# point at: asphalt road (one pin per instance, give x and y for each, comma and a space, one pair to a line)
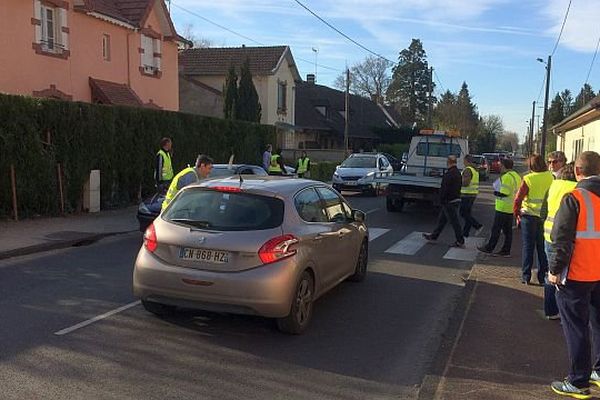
374, 339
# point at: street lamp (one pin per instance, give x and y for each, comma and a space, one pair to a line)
545, 123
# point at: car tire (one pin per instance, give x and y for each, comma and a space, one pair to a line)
302, 306
360, 270
157, 308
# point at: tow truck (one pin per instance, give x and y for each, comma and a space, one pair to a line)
421, 178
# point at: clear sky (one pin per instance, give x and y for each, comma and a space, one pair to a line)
490, 44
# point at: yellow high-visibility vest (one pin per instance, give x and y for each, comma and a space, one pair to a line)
167, 166
557, 191
173, 189
274, 166
303, 165
509, 186
473, 188
538, 184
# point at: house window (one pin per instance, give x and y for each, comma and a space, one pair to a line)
577, 148
51, 34
322, 110
282, 97
106, 47
150, 55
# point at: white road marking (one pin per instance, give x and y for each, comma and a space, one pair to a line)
469, 253
374, 233
372, 211
96, 318
410, 245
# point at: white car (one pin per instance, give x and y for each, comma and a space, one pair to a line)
357, 172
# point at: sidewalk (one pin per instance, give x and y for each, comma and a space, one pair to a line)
499, 345
42, 234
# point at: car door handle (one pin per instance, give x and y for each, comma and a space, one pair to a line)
318, 238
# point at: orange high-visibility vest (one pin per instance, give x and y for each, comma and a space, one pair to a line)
584, 261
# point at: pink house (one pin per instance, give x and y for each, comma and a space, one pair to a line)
121, 52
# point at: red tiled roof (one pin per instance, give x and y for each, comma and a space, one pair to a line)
117, 94
133, 12
216, 61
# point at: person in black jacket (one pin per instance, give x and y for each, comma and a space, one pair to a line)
450, 202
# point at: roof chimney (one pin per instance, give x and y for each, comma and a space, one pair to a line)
310, 78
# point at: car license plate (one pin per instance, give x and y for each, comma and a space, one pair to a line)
413, 195
205, 255
351, 183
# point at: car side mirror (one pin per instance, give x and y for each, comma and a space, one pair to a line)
359, 216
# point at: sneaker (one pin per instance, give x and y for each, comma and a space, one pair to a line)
502, 254
566, 388
555, 317
595, 378
429, 237
458, 245
479, 230
484, 249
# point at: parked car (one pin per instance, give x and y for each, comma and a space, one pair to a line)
493, 160
149, 209
482, 167
357, 172
268, 247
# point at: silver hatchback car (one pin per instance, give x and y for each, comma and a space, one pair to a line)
266, 246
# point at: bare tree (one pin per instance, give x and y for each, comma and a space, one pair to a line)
508, 141
369, 78
199, 42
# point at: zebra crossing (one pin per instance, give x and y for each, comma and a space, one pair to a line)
412, 244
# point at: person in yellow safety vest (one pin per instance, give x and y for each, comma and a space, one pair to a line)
505, 189
564, 184
276, 167
468, 194
188, 176
527, 208
163, 171
303, 168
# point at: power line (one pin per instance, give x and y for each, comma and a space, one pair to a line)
541, 89
244, 36
562, 27
342, 33
587, 78
437, 78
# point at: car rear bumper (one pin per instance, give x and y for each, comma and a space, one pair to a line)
266, 290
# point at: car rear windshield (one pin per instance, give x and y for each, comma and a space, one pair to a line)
478, 160
438, 149
360, 162
225, 211
492, 157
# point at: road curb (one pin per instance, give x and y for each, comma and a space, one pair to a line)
431, 381
59, 244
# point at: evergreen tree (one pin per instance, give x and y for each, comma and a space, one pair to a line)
230, 93
444, 115
248, 107
567, 102
408, 91
490, 129
466, 113
556, 112
586, 94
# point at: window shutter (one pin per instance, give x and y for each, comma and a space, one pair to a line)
148, 47
62, 37
37, 13
157, 49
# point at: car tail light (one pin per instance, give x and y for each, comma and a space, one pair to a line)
226, 188
277, 249
150, 241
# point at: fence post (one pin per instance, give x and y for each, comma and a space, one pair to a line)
13, 182
60, 188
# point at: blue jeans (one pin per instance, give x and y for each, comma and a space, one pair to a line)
532, 229
550, 307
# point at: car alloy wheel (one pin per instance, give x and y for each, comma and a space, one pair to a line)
360, 271
301, 310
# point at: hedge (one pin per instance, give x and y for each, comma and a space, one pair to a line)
322, 171
120, 141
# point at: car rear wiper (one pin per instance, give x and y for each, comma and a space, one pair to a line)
193, 222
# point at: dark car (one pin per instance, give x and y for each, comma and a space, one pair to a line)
493, 160
482, 166
149, 209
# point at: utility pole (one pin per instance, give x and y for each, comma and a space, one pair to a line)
531, 127
545, 121
347, 111
429, 99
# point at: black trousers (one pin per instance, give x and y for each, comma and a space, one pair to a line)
449, 213
503, 222
466, 208
579, 308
